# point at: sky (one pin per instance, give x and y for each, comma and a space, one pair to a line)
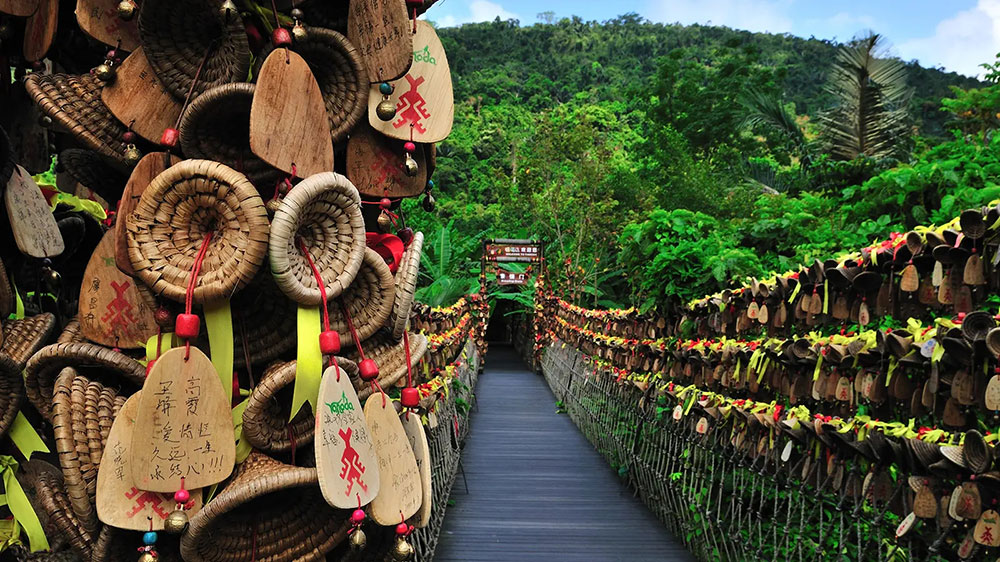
958, 35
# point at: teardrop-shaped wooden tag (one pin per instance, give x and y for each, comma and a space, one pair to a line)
841, 309
883, 300
970, 503
399, 490
816, 304
962, 388
992, 397
421, 452
864, 317
753, 310
345, 456
944, 295
111, 310
987, 531
375, 165
381, 30
781, 315
40, 30
963, 299
952, 415
184, 427
150, 166
19, 8
119, 502
937, 275
925, 505
137, 97
867, 382
905, 525
288, 121
702, 426
927, 396
926, 295
965, 547
909, 281
843, 391
99, 19
678, 413
35, 230
974, 273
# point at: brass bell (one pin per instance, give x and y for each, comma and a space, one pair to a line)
428, 203
176, 522
386, 110
147, 557
384, 222
299, 32
227, 9
358, 540
126, 10
105, 72
410, 166
132, 155
402, 551
52, 279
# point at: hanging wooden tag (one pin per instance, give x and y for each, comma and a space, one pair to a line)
909, 281
424, 100
119, 502
970, 503
987, 531
967, 545
34, 227
702, 426
864, 316
992, 398
763, 315
905, 525
99, 19
345, 455
927, 396
753, 310
111, 310
937, 275
840, 310
375, 165
963, 299
952, 415
678, 412
148, 168
288, 121
421, 451
925, 505
962, 388
974, 273
184, 427
40, 30
843, 390
816, 304
781, 315
944, 294
786, 452
926, 295
19, 8
382, 31
399, 490
138, 99
944, 519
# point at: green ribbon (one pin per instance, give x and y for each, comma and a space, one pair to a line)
826, 297
795, 292
242, 446
219, 321
309, 360
20, 507
819, 363
25, 437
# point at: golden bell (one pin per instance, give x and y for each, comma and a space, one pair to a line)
410, 166
176, 522
384, 222
386, 110
147, 557
132, 155
126, 9
402, 551
358, 540
299, 32
227, 9
104, 72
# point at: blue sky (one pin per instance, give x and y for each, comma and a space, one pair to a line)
955, 34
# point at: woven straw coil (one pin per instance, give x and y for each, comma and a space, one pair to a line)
52, 503
272, 508
177, 34
368, 300
390, 356
94, 172
71, 332
8, 301
406, 285
265, 420
324, 210
11, 397
22, 338
177, 210
74, 103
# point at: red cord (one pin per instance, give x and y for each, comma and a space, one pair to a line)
192, 282
409, 370
354, 333
319, 281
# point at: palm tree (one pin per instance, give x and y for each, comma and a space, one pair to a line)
870, 117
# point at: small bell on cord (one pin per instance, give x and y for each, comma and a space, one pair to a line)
299, 32
384, 222
386, 110
403, 549
177, 521
227, 9
428, 202
126, 10
358, 538
132, 155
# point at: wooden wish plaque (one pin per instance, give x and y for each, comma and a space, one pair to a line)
288, 121
382, 32
151, 165
99, 19
399, 490
35, 230
119, 503
424, 100
414, 429
111, 310
40, 30
375, 165
345, 454
19, 8
184, 428
138, 99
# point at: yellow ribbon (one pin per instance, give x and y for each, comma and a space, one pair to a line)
219, 321
242, 446
309, 360
78, 204
20, 507
25, 437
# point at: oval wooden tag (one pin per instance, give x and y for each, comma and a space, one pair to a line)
944, 295
954, 501
973, 273
937, 275
111, 310
149, 167
421, 452
678, 413
909, 280
925, 505
119, 503
425, 103
992, 398
382, 32
35, 230
843, 391
987, 531
40, 30
399, 491
138, 99
966, 546
864, 316
763, 315
184, 427
288, 121
702, 426
962, 388
345, 454
753, 309
944, 520
963, 299
99, 19
952, 414
375, 165
905, 525
970, 505
19, 8
786, 452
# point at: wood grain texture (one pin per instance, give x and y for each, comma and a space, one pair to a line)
425, 102
288, 121
31, 220
99, 19
138, 99
111, 310
414, 429
40, 30
375, 165
399, 489
19, 8
150, 166
381, 30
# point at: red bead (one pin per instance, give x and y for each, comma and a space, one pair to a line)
368, 369
358, 516
128, 137
182, 496
385, 203
281, 37
170, 137
402, 529
187, 326
410, 398
149, 366
112, 54
329, 342
410, 147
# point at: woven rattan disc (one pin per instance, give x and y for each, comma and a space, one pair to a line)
368, 300
8, 302
341, 75
216, 126
390, 356
71, 333
406, 285
74, 104
272, 509
110, 366
94, 172
325, 212
43, 484
178, 209
265, 420
22, 338
177, 35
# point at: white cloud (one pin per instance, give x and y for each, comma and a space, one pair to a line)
479, 10
960, 43
753, 15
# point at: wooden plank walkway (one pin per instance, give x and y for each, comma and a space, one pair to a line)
537, 489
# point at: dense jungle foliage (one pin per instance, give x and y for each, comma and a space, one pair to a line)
664, 162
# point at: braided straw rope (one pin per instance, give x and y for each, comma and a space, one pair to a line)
177, 34
182, 205
270, 510
390, 356
325, 211
265, 422
368, 300
406, 285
